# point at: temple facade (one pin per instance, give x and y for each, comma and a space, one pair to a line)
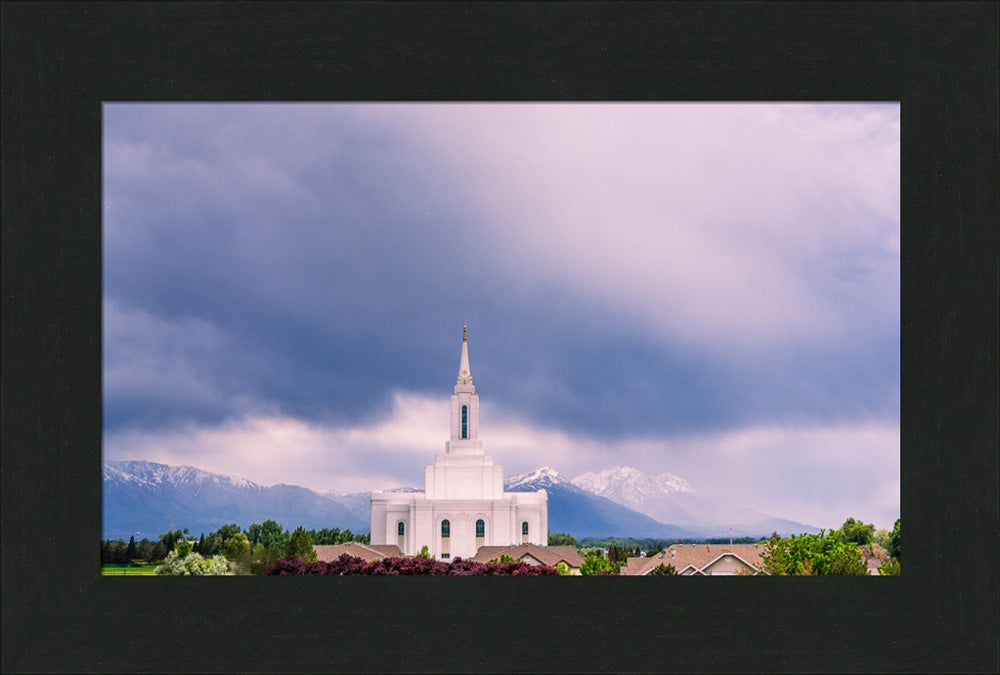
463, 506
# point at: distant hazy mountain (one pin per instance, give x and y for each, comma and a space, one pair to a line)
585, 514
669, 498
148, 498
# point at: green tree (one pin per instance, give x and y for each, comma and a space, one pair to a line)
424, 552
253, 533
227, 531
114, 552
169, 540
183, 548
593, 564
562, 539
237, 547
823, 553
144, 551
159, 551
131, 553
894, 541
890, 568
563, 569
845, 564
273, 535
213, 544
504, 557
857, 532
662, 570
325, 536
300, 545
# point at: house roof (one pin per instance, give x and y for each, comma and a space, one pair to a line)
874, 555
328, 552
547, 555
695, 556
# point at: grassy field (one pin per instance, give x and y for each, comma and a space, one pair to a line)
122, 570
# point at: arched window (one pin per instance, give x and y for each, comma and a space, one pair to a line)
480, 528
445, 529
465, 421
400, 528
524, 528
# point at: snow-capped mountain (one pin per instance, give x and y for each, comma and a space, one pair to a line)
632, 485
585, 514
537, 479
151, 498
672, 499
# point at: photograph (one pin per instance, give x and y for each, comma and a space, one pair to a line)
608, 339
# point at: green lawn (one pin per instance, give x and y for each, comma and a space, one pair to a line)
122, 570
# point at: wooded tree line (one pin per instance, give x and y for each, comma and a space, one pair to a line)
837, 552
256, 548
266, 542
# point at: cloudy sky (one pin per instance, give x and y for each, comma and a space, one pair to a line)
706, 290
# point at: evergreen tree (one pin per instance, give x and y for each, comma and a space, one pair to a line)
894, 541
144, 550
300, 545
130, 552
159, 551
662, 570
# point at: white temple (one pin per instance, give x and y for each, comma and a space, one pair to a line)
463, 506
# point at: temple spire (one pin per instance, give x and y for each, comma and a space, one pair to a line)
464, 373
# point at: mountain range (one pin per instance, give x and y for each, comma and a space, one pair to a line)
146, 499
585, 514
669, 498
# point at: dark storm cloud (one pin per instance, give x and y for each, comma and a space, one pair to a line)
338, 262
626, 272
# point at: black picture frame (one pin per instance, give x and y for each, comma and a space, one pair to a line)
61, 60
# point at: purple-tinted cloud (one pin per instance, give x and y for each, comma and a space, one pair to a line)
628, 271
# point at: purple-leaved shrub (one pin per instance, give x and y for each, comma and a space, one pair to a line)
347, 565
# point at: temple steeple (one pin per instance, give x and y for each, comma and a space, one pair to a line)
464, 407
464, 382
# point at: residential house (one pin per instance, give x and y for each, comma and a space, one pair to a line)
874, 556
533, 554
702, 559
368, 552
